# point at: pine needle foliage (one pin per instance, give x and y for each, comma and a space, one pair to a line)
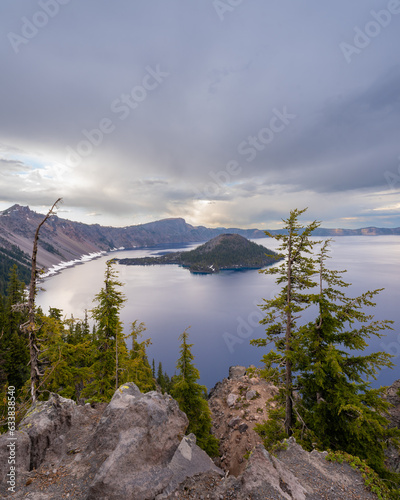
338, 405
108, 340
295, 275
191, 398
332, 402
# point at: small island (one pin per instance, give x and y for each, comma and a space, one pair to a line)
224, 252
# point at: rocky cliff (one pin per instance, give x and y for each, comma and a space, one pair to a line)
135, 448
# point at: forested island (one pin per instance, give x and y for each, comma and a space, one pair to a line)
224, 252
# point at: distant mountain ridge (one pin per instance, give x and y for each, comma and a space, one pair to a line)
65, 240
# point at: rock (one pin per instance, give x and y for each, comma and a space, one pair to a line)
243, 428
231, 399
136, 439
392, 453
251, 395
237, 371
15, 451
393, 397
46, 423
228, 412
135, 449
321, 478
234, 421
188, 461
266, 477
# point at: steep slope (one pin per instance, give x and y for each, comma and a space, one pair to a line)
64, 240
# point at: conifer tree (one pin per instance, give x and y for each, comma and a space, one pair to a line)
338, 406
295, 274
134, 364
160, 378
108, 340
191, 398
335, 406
65, 360
14, 342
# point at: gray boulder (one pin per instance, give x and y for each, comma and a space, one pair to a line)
266, 477
139, 450
319, 477
237, 371
188, 461
46, 424
15, 452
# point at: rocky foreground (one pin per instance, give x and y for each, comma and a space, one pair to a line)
135, 448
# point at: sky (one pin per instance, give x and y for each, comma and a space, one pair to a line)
224, 112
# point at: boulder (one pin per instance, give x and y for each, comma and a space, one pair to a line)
231, 399
266, 477
15, 452
46, 424
188, 461
237, 371
251, 395
135, 447
319, 477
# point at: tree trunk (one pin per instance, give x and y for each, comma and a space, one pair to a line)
288, 374
30, 327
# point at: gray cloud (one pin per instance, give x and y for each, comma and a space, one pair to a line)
167, 152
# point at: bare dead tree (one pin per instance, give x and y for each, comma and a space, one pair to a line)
30, 326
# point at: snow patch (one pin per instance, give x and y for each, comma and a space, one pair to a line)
64, 265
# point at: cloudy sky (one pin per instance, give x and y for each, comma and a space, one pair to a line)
224, 112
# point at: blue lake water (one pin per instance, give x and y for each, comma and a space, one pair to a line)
222, 309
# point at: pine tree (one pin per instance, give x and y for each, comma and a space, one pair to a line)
161, 378
65, 360
334, 406
134, 365
14, 342
338, 406
109, 339
191, 398
295, 274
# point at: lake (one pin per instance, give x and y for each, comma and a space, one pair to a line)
222, 309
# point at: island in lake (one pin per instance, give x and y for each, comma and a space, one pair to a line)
224, 252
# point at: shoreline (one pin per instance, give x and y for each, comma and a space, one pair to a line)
57, 268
